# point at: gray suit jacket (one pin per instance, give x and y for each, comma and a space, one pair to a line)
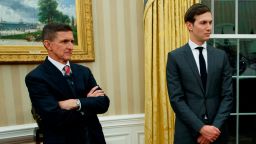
188, 98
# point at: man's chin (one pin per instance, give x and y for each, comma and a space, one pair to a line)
207, 38
67, 58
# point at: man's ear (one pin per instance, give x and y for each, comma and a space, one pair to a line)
47, 44
189, 26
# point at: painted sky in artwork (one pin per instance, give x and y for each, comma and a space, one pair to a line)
26, 10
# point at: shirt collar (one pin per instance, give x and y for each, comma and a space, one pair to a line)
194, 45
57, 64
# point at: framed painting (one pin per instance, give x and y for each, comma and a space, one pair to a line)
21, 23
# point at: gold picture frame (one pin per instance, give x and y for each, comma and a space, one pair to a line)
83, 51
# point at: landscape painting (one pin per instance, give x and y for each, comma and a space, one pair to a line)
21, 23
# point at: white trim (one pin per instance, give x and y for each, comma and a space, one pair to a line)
21, 133
243, 77
243, 114
236, 17
235, 36
121, 120
17, 131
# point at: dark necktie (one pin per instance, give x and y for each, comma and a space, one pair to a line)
202, 67
204, 79
69, 78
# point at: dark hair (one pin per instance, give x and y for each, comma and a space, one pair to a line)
50, 30
194, 10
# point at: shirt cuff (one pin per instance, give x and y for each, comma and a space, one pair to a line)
78, 103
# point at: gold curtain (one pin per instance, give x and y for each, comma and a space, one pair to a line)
164, 30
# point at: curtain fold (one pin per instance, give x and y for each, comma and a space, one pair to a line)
164, 30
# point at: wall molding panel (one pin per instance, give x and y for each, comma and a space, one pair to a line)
125, 129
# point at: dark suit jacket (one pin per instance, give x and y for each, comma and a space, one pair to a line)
188, 98
47, 86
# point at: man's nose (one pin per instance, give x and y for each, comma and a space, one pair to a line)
209, 26
70, 45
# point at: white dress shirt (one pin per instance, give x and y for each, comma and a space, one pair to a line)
195, 52
59, 65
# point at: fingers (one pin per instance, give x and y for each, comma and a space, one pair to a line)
211, 133
216, 133
95, 92
199, 139
202, 140
205, 141
93, 89
216, 129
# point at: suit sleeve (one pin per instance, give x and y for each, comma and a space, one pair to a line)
45, 104
226, 95
176, 95
93, 105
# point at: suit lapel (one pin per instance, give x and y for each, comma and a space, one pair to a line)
58, 80
211, 66
76, 76
192, 63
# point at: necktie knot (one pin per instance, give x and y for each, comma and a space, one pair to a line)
200, 49
67, 70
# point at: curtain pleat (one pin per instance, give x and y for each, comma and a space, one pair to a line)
164, 31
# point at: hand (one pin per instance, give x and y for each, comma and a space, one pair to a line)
202, 140
209, 132
95, 92
68, 104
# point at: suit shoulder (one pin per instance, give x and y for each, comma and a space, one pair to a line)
217, 50
81, 68
36, 71
179, 50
